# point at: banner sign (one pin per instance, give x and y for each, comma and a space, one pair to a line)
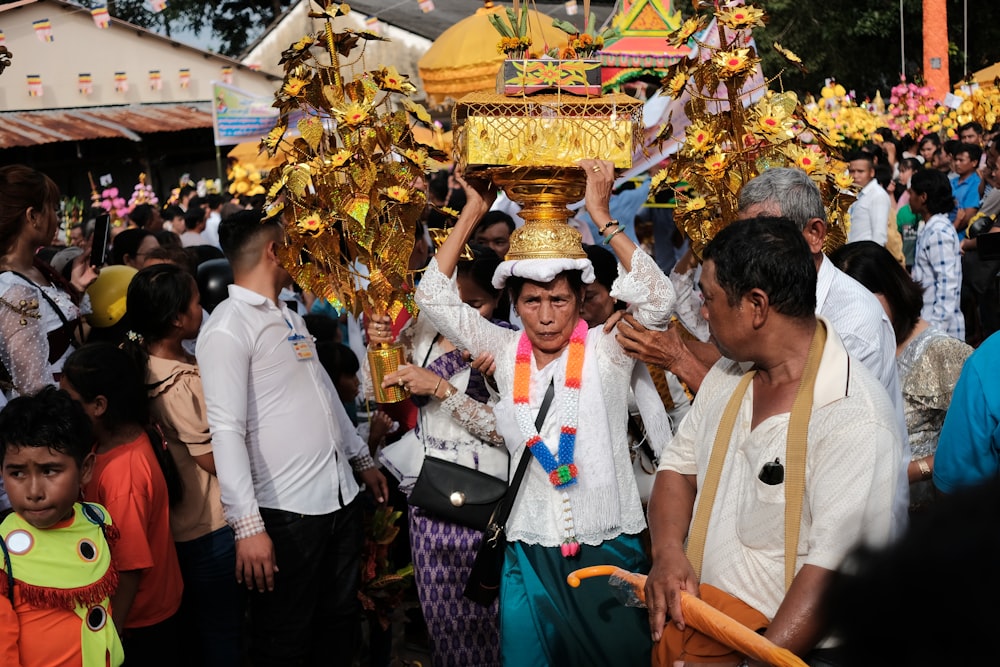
238, 116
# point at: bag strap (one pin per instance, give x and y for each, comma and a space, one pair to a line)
45, 296
795, 459
502, 512
10, 570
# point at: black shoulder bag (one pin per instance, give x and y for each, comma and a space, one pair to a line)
483, 585
454, 492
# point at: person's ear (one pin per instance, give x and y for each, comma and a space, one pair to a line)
815, 234
87, 468
759, 304
99, 406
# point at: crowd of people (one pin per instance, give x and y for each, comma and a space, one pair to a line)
192, 451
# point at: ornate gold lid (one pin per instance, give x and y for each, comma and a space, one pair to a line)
545, 240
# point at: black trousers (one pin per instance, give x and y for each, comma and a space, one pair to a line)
313, 616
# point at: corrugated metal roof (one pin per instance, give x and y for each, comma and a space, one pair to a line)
28, 128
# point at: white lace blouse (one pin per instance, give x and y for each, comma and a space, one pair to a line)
605, 501
26, 318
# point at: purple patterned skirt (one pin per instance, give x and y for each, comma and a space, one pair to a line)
462, 633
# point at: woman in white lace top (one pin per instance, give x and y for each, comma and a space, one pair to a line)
39, 311
578, 504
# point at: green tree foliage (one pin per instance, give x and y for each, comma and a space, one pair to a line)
234, 23
857, 42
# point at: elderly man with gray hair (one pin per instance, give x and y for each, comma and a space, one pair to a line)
855, 313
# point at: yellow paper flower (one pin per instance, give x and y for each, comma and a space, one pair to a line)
294, 86
310, 223
676, 85
732, 62
687, 30
716, 163
354, 114
304, 43
398, 193
741, 17
696, 204
698, 139
388, 78
805, 159
340, 158
843, 181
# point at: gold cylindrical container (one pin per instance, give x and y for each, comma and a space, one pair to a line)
383, 359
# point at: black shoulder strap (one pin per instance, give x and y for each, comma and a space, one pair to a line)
503, 510
45, 296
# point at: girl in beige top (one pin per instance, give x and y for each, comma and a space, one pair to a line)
163, 309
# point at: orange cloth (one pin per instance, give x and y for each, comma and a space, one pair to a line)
694, 646
128, 481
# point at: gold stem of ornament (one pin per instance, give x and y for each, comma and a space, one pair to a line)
338, 82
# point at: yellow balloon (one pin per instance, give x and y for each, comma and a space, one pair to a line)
107, 295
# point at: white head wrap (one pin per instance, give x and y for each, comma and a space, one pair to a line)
541, 270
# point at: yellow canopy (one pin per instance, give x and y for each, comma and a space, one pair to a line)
985, 76
464, 58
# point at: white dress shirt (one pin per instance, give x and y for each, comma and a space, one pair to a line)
280, 434
870, 215
865, 330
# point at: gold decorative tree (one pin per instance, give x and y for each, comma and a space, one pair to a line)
728, 143
346, 189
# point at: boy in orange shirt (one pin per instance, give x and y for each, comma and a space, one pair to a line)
56, 574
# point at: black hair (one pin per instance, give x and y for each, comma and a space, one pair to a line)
105, 369
239, 229
883, 174
935, 185
493, 217
337, 359
437, 184
876, 151
322, 327
172, 211
951, 146
214, 201
194, 216
156, 296
574, 277
931, 137
481, 268
49, 418
127, 242
605, 264
971, 125
185, 191
141, 214
769, 254
874, 267
870, 158
911, 163
975, 151
167, 239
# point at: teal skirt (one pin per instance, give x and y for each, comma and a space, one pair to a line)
545, 622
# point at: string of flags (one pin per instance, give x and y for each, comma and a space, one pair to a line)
102, 19
43, 30
35, 85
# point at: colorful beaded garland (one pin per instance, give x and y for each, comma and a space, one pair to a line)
562, 471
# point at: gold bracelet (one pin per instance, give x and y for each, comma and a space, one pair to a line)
925, 470
608, 225
449, 391
437, 386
